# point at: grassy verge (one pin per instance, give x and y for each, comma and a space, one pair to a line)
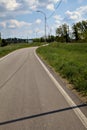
7, 49
70, 60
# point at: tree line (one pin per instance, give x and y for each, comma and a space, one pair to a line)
78, 32
5, 42
65, 33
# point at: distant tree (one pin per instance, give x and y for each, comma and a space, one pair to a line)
42, 39
65, 29
36, 39
59, 31
80, 31
82, 26
3, 43
0, 42
51, 38
0, 39
75, 32
62, 33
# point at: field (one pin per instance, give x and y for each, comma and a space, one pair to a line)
7, 49
70, 60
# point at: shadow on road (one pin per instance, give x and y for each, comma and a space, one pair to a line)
42, 114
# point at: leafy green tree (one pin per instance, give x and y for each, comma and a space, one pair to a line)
62, 33
65, 28
59, 31
4, 43
84, 30
80, 31
75, 32
0, 40
50, 38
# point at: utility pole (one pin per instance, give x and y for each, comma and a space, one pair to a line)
0, 35
45, 20
45, 28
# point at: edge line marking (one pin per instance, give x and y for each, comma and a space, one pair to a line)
77, 111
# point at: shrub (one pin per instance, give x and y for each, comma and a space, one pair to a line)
3, 43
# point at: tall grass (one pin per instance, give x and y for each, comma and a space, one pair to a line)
70, 60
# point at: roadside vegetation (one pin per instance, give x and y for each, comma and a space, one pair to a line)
70, 60
67, 52
9, 48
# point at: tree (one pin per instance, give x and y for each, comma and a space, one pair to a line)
50, 38
75, 32
66, 32
59, 31
0, 39
4, 43
84, 30
80, 31
62, 33
0, 42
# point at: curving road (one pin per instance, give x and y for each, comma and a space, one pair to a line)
30, 99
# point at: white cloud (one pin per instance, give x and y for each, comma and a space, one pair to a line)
12, 8
9, 9
38, 21
32, 4
2, 24
9, 4
14, 24
82, 10
58, 19
50, 7
37, 30
74, 15
78, 14
54, 1
15, 28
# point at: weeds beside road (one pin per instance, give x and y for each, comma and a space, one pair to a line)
70, 60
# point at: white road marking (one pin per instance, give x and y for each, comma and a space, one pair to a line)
77, 111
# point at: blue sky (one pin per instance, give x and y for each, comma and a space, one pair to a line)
18, 18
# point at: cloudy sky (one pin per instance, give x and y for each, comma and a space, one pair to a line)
18, 18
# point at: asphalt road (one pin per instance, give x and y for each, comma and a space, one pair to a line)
30, 99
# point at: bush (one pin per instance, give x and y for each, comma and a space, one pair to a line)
3, 43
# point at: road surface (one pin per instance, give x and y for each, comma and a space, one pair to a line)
30, 99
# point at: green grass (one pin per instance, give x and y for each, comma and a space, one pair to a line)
70, 60
7, 49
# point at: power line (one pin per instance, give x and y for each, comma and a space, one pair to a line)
58, 4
